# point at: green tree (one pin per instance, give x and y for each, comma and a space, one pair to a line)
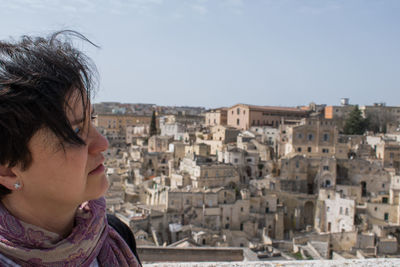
355, 123
153, 126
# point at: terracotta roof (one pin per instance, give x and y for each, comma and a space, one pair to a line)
272, 108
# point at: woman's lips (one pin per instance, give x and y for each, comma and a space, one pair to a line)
99, 169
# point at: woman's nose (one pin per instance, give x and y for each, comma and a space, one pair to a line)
98, 142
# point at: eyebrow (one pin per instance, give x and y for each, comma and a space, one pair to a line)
78, 121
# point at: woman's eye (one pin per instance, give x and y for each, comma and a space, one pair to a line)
77, 130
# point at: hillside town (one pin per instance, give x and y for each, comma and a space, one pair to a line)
308, 182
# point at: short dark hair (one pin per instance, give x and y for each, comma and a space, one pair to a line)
37, 77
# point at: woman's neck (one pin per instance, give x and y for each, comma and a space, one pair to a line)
51, 217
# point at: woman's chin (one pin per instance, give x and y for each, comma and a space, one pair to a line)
98, 189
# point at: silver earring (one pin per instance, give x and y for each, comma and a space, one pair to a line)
17, 185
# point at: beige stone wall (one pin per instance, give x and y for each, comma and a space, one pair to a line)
232, 215
389, 153
215, 145
179, 151
343, 241
120, 122
244, 116
338, 112
202, 150
159, 143
378, 211
238, 116
224, 134
216, 117
315, 138
214, 176
226, 196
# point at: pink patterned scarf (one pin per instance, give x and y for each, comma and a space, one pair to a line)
92, 238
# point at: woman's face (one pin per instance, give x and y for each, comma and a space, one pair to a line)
67, 176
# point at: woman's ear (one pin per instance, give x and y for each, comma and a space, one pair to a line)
8, 178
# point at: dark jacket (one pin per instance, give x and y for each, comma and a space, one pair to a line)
125, 232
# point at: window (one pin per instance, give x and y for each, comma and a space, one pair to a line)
299, 149
386, 216
309, 149
376, 208
385, 200
347, 211
310, 137
325, 168
241, 209
237, 121
326, 137
327, 208
238, 111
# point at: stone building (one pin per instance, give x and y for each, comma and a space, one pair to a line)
155, 163
369, 175
133, 132
294, 175
224, 134
204, 173
117, 123
385, 118
389, 152
334, 213
313, 138
200, 149
159, 143
170, 127
216, 117
269, 134
243, 116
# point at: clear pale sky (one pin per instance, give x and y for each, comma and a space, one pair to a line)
222, 52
